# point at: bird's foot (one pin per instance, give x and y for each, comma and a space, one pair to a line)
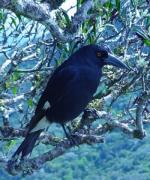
88, 113
73, 139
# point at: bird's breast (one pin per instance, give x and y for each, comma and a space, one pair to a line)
77, 95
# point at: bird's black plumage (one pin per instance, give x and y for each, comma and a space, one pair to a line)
69, 90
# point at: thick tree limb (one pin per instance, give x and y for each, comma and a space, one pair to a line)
34, 11
41, 12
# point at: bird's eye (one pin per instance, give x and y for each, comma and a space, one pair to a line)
99, 54
102, 54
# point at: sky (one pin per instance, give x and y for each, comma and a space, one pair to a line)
67, 4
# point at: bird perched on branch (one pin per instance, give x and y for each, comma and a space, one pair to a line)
69, 90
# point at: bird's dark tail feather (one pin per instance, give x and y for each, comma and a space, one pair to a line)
27, 145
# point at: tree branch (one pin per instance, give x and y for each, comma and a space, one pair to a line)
41, 12
83, 136
139, 132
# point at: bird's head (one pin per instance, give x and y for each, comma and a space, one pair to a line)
103, 56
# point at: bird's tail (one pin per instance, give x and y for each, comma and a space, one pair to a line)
27, 145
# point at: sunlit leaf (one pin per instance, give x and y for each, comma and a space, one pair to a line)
7, 84
30, 102
108, 5
147, 42
16, 76
9, 144
14, 90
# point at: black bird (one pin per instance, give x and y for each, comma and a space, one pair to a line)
69, 90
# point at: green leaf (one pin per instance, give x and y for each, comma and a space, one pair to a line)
9, 144
7, 84
67, 19
16, 76
1, 15
30, 102
147, 42
108, 5
13, 21
18, 16
118, 5
14, 90
79, 3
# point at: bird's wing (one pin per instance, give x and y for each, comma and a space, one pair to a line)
52, 94
54, 91
36, 119
56, 86
73, 92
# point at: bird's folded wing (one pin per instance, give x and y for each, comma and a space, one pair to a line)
57, 86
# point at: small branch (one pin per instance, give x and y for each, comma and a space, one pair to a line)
34, 70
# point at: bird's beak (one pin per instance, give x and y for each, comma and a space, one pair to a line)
112, 60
